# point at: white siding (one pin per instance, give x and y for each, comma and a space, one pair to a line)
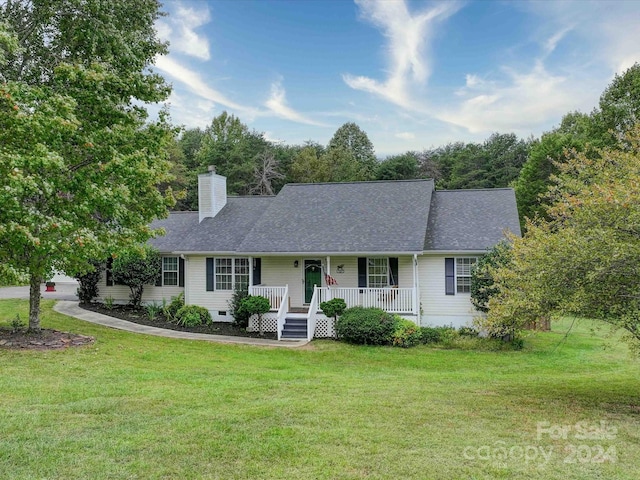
279, 271
151, 293
276, 271
196, 290
405, 272
437, 307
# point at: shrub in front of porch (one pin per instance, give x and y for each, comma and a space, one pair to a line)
366, 326
406, 334
192, 315
240, 314
256, 305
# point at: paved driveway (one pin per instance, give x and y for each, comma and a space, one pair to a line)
64, 291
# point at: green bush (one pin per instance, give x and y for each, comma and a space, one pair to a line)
88, 283
135, 268
437, 334
240, 314
171, 309
334, 307
406, 334
256, 305
449, 337
366, 326
152, 309
193, 315
468, 332
482, 284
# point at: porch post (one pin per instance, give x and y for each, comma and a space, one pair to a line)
329, 293
250, 274
416, 288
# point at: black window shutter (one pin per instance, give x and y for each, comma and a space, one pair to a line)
108, 273
362, 272
181, 272
393, 266
159, 277
209, 274
257, 271
449, 276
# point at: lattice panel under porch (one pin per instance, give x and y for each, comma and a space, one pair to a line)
324, 327
269, 322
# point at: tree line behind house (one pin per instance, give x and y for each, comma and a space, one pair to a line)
254, 165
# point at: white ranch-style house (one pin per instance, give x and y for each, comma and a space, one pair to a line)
398, 245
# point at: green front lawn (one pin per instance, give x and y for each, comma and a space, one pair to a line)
132, 406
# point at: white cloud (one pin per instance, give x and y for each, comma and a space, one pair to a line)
189, 112
520, 103
405, 135
472, 80
193, 81
607, 30
407, 35
598, 39
552, 42
277, 104
180, 30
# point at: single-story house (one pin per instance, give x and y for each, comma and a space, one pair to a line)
399, 245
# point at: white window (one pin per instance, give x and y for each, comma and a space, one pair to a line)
241, 273
463, 274
224, 274
378, 272
169, 271
231, 273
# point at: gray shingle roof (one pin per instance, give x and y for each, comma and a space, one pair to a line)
225, 231
344, 217
471, 219
177, 225
362, 217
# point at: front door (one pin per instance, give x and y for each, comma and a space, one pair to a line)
312, 277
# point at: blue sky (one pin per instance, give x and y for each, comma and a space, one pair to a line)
412, 74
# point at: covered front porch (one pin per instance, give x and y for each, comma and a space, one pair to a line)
309, 321
296, 286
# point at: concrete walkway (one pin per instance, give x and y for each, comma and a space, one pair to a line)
72, 309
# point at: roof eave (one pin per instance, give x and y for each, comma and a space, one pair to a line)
290, 254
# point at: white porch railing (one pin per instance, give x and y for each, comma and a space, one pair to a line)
313, 313
282, 311
274, 294
394, 300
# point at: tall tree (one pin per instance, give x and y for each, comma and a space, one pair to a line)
585, 259
351, 138
232, 148
619, 110
309, 166
264, 174
398, 167
620, 104
79, 165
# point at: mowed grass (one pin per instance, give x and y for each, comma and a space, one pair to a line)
140, 407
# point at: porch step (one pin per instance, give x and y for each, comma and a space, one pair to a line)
294, 328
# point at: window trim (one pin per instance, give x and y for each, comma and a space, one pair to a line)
176, 271
369, 274
236, 263
457, 276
